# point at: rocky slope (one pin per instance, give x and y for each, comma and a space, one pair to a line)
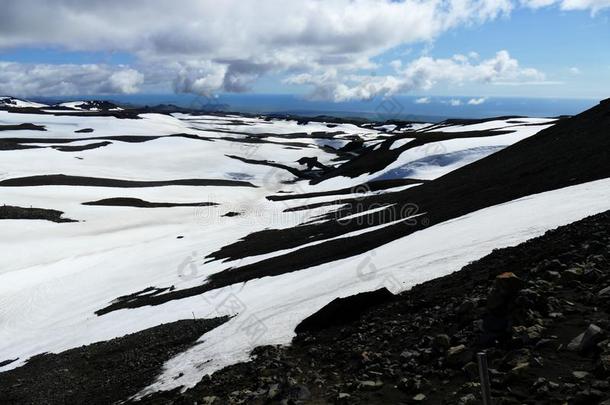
527, 307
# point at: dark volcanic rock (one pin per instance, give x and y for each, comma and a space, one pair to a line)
136, 202
12, 212
65, 180
101, 373
22, 127
587, 340
343, 310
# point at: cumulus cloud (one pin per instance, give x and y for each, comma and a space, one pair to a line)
228, 45
455, 102
67, 79
204, 46
477, 101
422, 73
593, 5
199, 78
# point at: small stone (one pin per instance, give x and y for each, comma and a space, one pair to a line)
553, 265
553, 385
540, 382
370, 385
441, 342
466, 307
471, 369
572, 274
586, 340
514, 358
409, 354
534, 332
520, 369
504, 290
274, 391
209, 400
468, 400
458, 355
419, 397
343, 398
580, 374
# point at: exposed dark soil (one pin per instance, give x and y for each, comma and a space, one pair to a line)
136, 202
12, 212
101, 373
119, 138
79, 148
8, 145
361, 188
522, 306
22, 127
65, 180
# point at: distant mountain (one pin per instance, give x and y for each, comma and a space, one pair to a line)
91, 105
8, 101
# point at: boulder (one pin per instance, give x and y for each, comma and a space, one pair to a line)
586, 340
441, 342
458, 355
504, 291
572, 274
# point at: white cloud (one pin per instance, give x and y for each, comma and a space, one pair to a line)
423, 100
593, 5
241, 40
66, 79
455, 102
477, 101
204, 46
422, 73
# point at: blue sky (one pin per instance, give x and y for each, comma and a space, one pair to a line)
337, 50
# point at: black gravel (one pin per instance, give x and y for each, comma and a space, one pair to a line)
101, 373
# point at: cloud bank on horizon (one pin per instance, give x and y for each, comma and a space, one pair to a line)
326, 48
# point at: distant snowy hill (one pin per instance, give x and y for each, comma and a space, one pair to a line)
263, 219
6, 101
90, 105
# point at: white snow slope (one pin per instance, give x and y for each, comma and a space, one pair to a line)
54, 276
